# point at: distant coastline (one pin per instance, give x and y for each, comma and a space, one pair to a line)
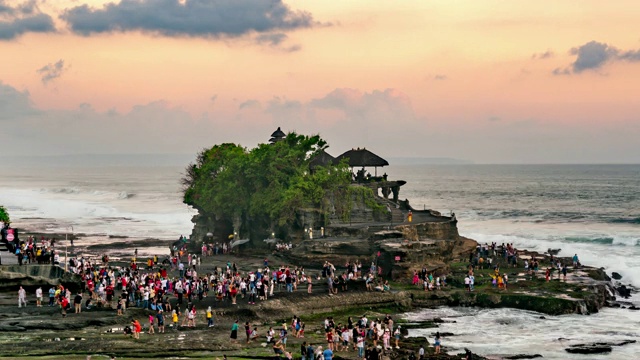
429, 161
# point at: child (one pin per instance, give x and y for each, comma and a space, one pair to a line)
174, 319
151, 328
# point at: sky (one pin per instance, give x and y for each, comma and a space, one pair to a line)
487, 81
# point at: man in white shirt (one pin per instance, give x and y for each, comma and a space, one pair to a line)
39, 297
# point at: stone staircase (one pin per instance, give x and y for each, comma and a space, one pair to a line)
397, 215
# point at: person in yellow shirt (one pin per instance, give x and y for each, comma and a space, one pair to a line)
209, 317
174, 318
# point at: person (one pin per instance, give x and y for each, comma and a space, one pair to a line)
421, 353
575, 260
151, 321
327, 354
564, 272
137, 329
77, 303
303, 350
234, 331
437, 343
247, 330
209, 317
360, 344
52, 295
160, 317
174, 319
278, 348
22, 297
397, 335
39, 297
64, 305
310, 352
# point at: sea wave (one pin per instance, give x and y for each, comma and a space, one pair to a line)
616, 240
553, 217
122, 195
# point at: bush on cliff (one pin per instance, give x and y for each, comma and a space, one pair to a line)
4, 215
266, 185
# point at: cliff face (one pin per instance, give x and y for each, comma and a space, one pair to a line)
431, 230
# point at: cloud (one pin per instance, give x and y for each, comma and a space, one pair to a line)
440, 77
271, 39
595, 55
23, 18
249, 104
390, 104
380, 120
14, 104
545, 55
191, 18
51, 71
276, 40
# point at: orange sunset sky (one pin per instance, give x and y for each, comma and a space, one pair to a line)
486, 81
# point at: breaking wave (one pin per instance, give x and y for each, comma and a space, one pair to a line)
98, 194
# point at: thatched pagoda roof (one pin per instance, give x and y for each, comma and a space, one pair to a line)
322, 159
362, 157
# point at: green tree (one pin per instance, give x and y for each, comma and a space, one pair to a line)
265, 187
4, 215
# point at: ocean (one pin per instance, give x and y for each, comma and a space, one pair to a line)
589, 210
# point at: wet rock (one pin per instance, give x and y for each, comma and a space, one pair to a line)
4, 327
443, 334
616, 276
589, 350
596, 348
523, 356
624, 291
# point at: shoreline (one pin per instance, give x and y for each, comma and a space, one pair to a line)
401, 299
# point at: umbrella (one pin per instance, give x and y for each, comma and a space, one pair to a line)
239, 242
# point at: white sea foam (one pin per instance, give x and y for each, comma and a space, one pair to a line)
511, 331
98, 212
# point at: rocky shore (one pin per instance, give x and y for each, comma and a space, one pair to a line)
43, 332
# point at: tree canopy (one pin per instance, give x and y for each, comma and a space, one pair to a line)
265, 185
4, 215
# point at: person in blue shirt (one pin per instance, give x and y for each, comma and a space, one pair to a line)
328, 354
310, 352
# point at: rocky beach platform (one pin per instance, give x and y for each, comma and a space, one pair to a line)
42, 332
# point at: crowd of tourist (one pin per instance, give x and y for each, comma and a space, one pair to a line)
171, 290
